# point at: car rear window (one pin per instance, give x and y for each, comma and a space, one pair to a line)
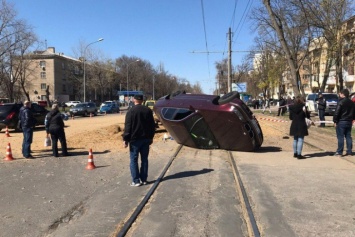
5, 108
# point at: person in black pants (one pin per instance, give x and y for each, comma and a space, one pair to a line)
322, 104
55, 127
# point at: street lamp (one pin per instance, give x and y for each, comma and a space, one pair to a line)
101, 39
127, 73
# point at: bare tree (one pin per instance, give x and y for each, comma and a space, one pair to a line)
16, 38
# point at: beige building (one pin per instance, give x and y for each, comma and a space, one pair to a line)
61, 74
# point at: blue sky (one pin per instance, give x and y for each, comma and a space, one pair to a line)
159, 31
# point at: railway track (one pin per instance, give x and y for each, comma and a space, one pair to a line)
248, 227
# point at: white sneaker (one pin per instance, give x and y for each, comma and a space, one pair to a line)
135, 184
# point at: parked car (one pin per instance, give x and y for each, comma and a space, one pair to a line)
83, 109
9, 114
331, 98
149, 103
72, 103
109, 108
209, 121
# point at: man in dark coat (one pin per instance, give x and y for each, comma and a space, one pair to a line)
55, 127
322, 104
139, 131
27, 121
298, 129
343, 118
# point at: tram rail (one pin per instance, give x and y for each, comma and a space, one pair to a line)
247, 211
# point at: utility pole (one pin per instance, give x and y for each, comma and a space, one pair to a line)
229, 60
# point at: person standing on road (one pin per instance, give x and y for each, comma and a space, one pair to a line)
55, 127
322, 104
27, 121
343, 117
298, 129
266, 104
138, 133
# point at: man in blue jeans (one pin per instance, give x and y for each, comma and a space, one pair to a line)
27, 121
343, 117
138, 134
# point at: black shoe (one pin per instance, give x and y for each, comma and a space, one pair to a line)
295, 155
301, 157
348, 154
29, 157
338, 155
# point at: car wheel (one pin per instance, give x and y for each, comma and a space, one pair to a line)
228, 97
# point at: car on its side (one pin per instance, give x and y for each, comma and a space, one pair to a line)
109, 108
72, 103
210, 121
331, 98
9, 114
83, 109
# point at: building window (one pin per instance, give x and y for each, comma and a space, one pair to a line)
43, 86
64, 88
42, 63
43, 75
76, 70
63, 66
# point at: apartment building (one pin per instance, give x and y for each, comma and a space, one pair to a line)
348, 48
60, 73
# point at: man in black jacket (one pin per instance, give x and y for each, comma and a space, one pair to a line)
55, 127
27, 121
343, 117
138, 133
322, 104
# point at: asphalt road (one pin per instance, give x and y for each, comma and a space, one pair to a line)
289, 197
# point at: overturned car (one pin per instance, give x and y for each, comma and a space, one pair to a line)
209, 121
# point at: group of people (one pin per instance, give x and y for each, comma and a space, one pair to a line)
54, 125
138, 135
342, 118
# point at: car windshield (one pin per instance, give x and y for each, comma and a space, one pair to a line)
331, 97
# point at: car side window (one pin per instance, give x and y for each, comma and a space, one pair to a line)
175, 113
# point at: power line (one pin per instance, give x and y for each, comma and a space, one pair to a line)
204, 28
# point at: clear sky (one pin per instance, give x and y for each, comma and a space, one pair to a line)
159, 31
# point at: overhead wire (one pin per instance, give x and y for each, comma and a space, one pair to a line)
204, 28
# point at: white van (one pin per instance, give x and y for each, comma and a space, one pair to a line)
331, 98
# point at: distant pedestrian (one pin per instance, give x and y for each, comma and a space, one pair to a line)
27, 121
267, 104
322, 104
55, 127
342, 118
298, 114
282, 106
138, 133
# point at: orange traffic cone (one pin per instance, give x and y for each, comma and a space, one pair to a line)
8, 153
90, 165
7, 132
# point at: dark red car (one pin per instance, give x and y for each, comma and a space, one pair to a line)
209, 121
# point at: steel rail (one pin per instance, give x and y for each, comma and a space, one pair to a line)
252, 226
127, 225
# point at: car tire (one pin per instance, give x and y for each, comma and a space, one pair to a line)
228, 97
